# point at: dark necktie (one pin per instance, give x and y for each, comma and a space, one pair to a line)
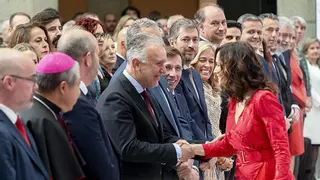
22, 130
147, 100
176, 104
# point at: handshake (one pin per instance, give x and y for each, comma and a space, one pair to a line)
187, 150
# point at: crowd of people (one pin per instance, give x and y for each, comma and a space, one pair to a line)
158, 98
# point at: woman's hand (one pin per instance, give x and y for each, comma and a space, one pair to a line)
198, 149
225, 164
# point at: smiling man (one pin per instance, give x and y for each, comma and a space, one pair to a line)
251, 30
212, 23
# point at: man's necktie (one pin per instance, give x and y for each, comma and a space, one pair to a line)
22, 130
147, 100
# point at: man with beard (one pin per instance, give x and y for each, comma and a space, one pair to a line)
49, 18
184, 36
212, 23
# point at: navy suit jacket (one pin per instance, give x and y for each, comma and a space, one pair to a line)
119, 71
182, 127
198, 105
90, 136
118, 64
17, 160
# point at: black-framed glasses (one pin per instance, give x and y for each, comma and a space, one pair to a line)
100, 35
32, 79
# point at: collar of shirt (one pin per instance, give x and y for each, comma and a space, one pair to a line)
201, 37
134, 82
187, 67
120, 56
9, 113
83, 88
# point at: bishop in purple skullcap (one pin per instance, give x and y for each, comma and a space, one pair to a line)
55, 62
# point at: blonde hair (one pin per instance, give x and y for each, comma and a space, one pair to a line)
212, 80
25, 47
123, 20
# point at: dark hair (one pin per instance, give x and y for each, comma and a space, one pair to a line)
172, 52
241, 69
154, 15
89, 24
132, 8
16, 14
46, 16
22, 34
234, 24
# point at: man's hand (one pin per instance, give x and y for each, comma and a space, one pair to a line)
181, 142
183, 170
187, 152
296, 115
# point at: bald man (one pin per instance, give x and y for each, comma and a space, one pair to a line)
121, 50
19, 157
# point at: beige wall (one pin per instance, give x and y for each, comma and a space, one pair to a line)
31, 7
303, 8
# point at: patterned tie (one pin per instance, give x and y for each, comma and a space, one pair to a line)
22, 130
147, 100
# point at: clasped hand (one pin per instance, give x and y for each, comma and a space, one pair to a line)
186, 150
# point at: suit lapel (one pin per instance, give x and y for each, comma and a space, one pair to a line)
138, 100
32, 152
198, 82
188, 84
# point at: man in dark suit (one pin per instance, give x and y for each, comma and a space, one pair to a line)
84, 122
121, 49
184, 36
19, 159
132, 116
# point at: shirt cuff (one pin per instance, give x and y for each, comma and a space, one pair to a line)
178, 150
195, 168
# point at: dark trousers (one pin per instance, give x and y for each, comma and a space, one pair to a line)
305, 169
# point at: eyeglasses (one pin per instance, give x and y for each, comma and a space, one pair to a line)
100, 35
32, 79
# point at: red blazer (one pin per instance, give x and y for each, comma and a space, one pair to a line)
259, 139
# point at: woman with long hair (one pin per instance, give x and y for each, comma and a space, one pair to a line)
33, 34
204, 64
259, 136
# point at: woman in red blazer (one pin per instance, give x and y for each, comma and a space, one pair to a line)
259, 136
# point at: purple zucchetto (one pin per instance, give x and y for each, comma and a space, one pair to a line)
55, 62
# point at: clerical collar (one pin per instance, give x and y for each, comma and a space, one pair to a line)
52, 106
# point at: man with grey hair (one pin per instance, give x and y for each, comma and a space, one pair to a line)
141, 25
300, 25
58, 79
83, 47
251, 30
132, 116
19, 158
212, 23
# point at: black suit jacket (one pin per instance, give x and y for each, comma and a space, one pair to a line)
90, 136
144, 148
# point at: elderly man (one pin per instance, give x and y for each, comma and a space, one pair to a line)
19, 157
132, 116
83, 121
212, 23
58, 79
